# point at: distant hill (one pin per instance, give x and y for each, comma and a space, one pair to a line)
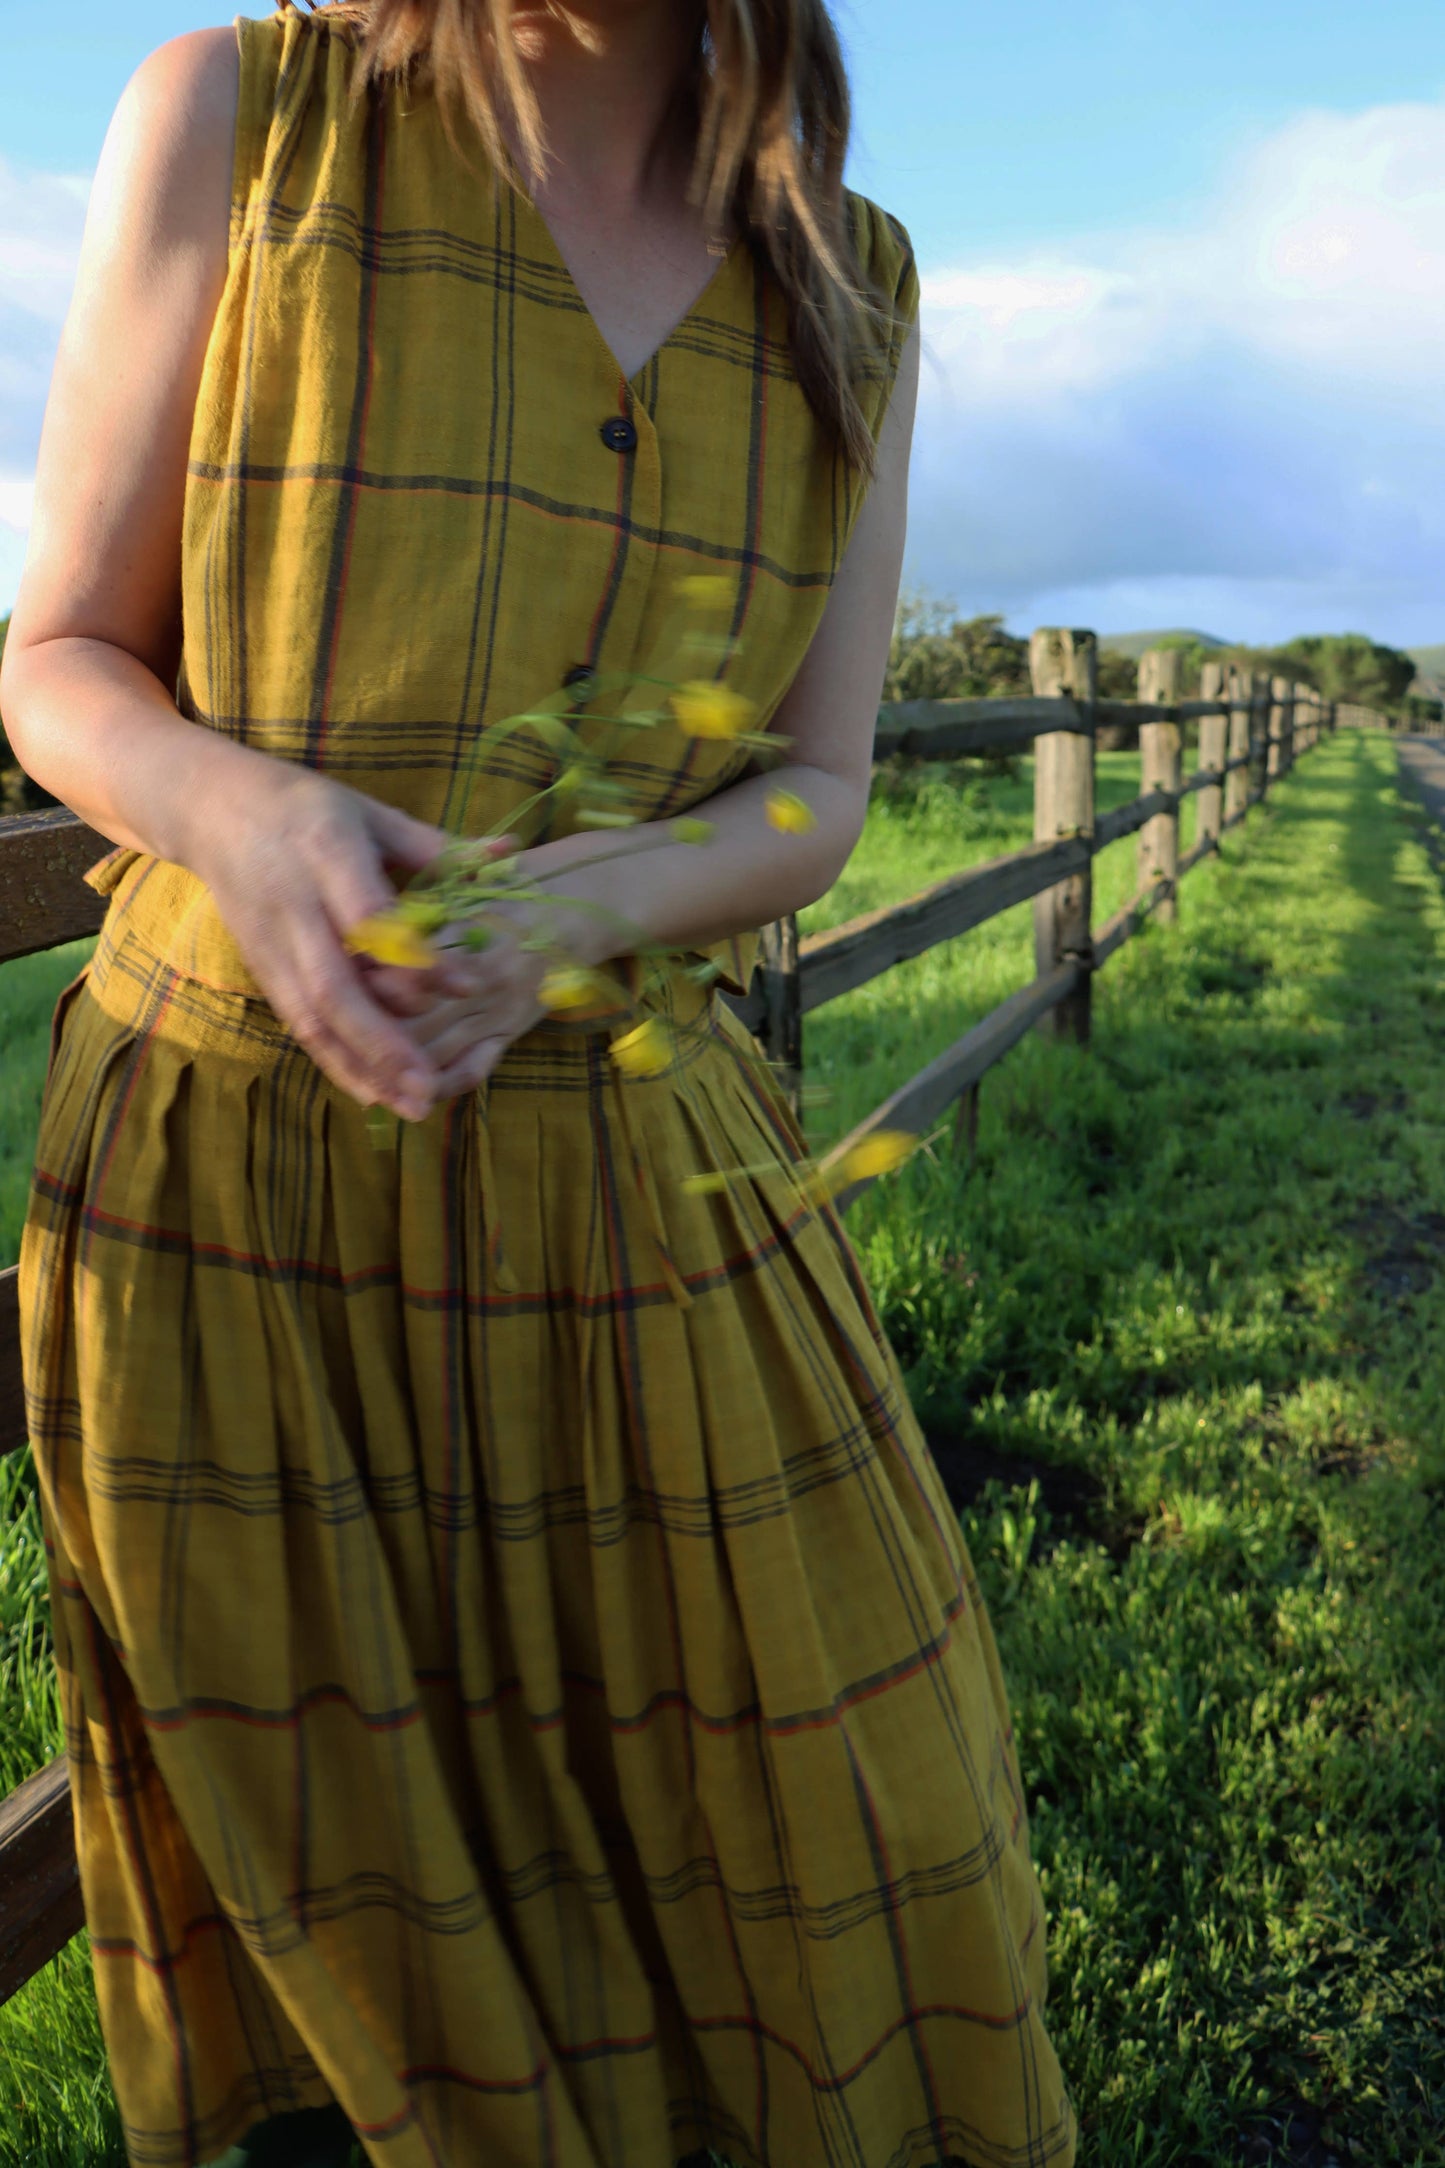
1429, 664
1134, 644
1428, 673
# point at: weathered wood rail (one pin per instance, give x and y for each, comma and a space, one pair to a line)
1251, 731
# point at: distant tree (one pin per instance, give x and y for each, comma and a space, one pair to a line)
1118, 676
1193, 655
922, 664
936, 655
1349, 666
998, 661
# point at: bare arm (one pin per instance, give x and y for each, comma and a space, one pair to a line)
292, 857
94, 643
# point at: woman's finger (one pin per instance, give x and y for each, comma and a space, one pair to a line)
333, 1059
402, 991
333, 999
404, 840
472, 1067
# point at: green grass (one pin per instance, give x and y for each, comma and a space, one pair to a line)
1170, 1333
29, 990
935, 827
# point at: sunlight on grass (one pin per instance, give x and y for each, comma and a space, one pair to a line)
1172, 1336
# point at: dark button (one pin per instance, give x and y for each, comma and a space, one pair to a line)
619, 435
579, 674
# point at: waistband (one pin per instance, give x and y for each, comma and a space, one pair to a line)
163, 924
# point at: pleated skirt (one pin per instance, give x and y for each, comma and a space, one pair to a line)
523, 1679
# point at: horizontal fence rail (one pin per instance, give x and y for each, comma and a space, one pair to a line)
40, 1902
1251, 730
834, 963
43, 900
915, 1104
950, 729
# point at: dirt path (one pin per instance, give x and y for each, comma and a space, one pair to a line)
1422, 771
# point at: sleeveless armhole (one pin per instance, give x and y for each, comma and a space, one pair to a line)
261, 46
885, 255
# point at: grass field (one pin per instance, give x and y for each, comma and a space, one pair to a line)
1169, 1332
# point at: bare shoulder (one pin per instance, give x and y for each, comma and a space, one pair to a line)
104, 553
167, 158
190, 77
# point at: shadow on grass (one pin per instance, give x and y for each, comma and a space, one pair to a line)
1173, 1338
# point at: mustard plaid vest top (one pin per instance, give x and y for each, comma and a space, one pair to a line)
421, 496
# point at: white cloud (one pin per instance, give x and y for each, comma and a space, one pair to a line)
17, 499
1232, 423
1238, 417
42, 216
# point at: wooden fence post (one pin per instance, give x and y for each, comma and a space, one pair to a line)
1213, 752
1064, 662
1259, 727
782, 1028
1236, 786
1278, 694
1162, 769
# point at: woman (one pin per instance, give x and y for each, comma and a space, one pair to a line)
527, 1699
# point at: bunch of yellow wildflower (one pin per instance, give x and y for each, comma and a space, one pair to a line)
472, 874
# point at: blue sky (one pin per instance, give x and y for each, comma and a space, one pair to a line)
1184, 293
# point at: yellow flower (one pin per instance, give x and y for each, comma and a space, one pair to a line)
390, 939
568, 987
705, 1185
420, 911
711, 711
705, 587
688, 830
879, 1154
790, 813
643, 1051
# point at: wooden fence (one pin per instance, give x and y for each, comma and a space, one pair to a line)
1251, 730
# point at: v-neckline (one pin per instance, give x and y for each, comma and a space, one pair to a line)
683, 321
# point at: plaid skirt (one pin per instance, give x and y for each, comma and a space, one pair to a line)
523, 1679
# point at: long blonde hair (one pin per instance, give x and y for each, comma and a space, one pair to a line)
772, 112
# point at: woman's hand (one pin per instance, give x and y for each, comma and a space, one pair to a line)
468, 1009
296, 861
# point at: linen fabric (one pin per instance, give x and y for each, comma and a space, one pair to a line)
522, 1678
